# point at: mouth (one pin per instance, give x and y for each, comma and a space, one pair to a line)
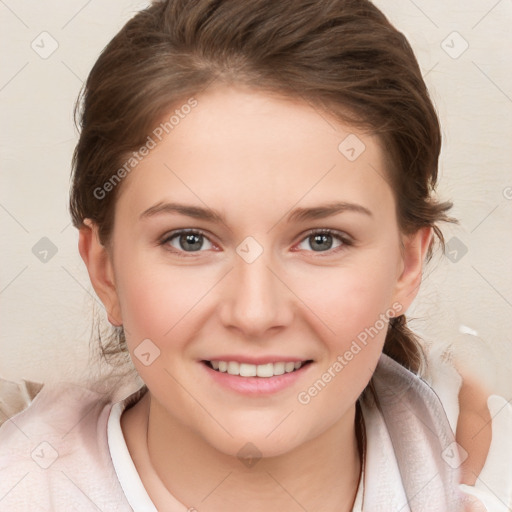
264, 371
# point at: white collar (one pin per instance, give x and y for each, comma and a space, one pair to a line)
127, 474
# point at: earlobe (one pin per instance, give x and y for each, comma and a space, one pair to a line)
414, 252
100, 269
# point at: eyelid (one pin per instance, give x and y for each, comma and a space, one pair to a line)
342, 235
175, 232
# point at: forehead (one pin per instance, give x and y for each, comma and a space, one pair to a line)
250, 150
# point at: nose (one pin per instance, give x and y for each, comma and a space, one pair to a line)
256, 300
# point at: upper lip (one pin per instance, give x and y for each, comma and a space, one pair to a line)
257, 360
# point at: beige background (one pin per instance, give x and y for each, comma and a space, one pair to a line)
45, 306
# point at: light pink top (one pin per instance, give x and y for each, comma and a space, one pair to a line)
66, 451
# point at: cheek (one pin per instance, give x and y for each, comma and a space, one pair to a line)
348, 299
160, 306
353, 306
152, 303
159, 300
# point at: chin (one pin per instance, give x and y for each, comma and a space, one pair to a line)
252, 446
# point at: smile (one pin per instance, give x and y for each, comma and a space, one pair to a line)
255, 370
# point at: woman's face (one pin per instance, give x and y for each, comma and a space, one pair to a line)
252, 176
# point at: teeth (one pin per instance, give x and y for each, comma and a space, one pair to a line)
248, 370
233, 368
253, 370
265, 370
278, 368
289, 367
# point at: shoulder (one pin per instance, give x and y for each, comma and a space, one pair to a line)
55, 410
409, 413
55, 451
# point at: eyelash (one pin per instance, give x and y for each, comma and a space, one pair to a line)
343, 238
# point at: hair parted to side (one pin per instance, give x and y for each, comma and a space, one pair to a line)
341, 56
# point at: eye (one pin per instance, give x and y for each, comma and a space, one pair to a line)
189, 240
325, 240
193, 240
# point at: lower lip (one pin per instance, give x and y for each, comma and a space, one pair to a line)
256, 385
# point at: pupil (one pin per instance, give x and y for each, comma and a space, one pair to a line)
190, 241
322, 238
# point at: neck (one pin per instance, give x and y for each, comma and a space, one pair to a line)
321, 474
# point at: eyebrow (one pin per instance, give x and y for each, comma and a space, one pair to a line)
296, 215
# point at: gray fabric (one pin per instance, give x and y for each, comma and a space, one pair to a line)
407, 431
419, 440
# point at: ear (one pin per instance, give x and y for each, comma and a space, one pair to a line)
414, 250
101, 272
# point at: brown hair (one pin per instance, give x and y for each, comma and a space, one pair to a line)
342, 56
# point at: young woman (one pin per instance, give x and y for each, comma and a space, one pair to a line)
254, 190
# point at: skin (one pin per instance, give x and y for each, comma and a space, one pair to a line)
254, 158
474, 425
